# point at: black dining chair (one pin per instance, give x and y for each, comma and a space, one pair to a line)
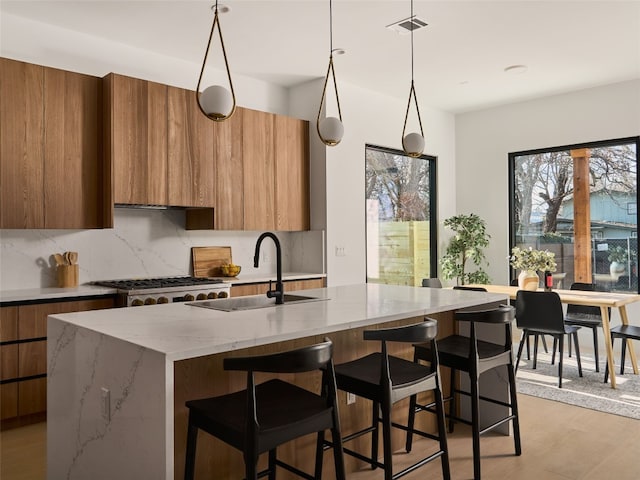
585, 316
540, 313
386, 379
431, 282
625, 333
262, 417
475, 357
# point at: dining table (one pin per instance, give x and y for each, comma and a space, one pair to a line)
604, 300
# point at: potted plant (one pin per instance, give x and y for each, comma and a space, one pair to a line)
619, 257
530, 262
466, 246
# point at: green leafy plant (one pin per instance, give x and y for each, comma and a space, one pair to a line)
619, 254
534, 260
465, 247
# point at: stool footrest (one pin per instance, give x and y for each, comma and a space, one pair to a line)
293, 469
417, 432
417, 465
497, 424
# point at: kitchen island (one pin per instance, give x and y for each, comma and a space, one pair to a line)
118, 378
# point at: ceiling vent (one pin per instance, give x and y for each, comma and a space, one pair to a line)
404, 26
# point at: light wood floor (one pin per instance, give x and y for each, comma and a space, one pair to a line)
559, 442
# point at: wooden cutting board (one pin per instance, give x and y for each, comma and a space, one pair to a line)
207, 260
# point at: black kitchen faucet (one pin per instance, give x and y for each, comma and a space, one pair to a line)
278, 293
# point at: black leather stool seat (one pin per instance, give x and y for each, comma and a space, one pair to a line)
226, 416
454, 352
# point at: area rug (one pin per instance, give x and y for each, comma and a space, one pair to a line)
588, 391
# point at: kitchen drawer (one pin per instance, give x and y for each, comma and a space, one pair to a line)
8, 361
8, 400
32, 396
8, 324
32, 358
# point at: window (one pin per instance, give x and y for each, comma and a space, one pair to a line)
400, 194
579, 202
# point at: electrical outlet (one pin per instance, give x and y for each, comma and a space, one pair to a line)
105, 403
351, 398
265, 258
340, 251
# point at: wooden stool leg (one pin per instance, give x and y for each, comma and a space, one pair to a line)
376, 433
386, 442
272, 464
319, 455
514, 408
446, 473
475, 421
411, 422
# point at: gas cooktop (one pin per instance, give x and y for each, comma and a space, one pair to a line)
159, 282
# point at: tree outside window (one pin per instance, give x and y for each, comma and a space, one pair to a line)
580, 202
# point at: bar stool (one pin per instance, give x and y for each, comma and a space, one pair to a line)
624, 332
260, 418
386, 379
468, 354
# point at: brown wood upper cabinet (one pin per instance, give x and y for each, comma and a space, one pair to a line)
190, 146
136, 139
50, 153
291, 173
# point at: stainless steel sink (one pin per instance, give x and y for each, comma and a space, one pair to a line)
248, 303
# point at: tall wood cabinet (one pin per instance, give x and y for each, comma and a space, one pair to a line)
51, 163
291, 147
191, 166
23, 357
136, 139
258, 163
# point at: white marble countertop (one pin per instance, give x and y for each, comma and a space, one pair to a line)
181, 331
52, 293
87, 290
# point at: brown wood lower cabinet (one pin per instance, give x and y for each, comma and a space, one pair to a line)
289, 286
23, 357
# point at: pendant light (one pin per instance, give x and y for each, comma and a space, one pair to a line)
412, 143
216, 102
330, 129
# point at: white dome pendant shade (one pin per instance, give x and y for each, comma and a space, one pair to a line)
330, 129
412, 143
216, 102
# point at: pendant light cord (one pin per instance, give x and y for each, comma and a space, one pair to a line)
330, 29
412, 26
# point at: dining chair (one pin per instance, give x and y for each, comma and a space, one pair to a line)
585, 316
624, 332
540, 313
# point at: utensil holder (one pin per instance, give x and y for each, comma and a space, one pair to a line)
67, 275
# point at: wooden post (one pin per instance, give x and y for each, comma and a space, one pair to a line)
581, 216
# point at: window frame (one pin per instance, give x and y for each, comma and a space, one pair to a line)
595, 144
433, 206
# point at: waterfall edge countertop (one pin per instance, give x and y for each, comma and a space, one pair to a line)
181, 331
117, 379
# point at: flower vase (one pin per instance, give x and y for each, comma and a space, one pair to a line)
528, 280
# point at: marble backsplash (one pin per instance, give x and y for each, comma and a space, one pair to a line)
143, 243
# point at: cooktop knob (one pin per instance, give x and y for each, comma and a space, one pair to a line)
150, 301
212, 295
188, 297
137, 302
163, 300
223, 295
201, 296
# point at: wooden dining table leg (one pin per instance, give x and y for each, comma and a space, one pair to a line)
632, 352
607, 343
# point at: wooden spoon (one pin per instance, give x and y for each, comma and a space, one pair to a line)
73, 258
59, 259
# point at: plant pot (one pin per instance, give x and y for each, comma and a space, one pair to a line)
528, 280
616, 270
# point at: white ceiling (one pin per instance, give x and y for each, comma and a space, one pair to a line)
459, 58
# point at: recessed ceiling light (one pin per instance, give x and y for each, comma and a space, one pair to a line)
516, 69
338, 51
221, 8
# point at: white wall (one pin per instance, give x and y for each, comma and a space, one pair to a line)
485, 138
369, 118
